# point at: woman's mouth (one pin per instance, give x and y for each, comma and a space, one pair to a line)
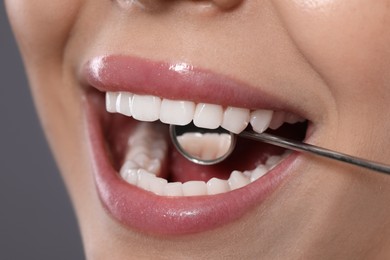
148, 146
143, 181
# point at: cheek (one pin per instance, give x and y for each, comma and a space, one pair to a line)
347, 42
42, 27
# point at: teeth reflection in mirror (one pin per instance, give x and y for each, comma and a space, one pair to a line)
111, 101
192, 143
208, 115
225, 141
206, 146
260, 120
211, 144
235, 119
146, 108
177, 112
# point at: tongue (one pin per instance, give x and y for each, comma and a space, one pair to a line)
246, 156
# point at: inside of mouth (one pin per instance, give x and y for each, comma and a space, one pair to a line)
247, 154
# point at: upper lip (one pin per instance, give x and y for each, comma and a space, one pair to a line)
179, 81
145, 211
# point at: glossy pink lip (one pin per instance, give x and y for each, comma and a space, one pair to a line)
142, 210
178, 81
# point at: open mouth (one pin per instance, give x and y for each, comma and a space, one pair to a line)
151, 163
143, 181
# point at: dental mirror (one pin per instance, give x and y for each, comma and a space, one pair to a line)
208, 147
203, 146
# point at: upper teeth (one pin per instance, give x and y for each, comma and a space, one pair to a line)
177, 112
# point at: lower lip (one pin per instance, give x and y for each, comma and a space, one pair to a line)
149, 213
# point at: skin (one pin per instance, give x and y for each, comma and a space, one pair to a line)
329, 58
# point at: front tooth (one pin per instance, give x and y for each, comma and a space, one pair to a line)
111, 98
157, 185
260, 120
123, 103
216, 186
146, 108
237, 180
177, 112
194, 188
173, 189
208, 115
235, 119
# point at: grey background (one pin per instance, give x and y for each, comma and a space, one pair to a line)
36, 218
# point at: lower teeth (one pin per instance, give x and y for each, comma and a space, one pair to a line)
144, 160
